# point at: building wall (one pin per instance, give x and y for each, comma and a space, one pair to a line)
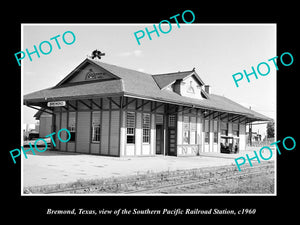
191, 145
71, 146
152, 136
199, 132
113, 137
213, 124
206, 128
189, 87
138, 134
83, 132
242, 130
45, 124
123, 146
114, 133
63, 124
104, 132
57, 128
138, 148
109, 127
140, 107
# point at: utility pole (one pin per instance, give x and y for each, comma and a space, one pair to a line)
250, 131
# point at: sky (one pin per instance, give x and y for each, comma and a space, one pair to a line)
216, 51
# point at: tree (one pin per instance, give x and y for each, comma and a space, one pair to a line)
270, 129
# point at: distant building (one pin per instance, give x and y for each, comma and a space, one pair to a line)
32, 128
114, 111
255, 137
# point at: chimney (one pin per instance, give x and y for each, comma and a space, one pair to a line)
206, 88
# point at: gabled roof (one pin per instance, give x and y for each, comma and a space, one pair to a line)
137, 84
165, 79
78, 69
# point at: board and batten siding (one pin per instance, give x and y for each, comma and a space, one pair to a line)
63, 145
152, 135
113, 141
138, 134
57, 127
83, 132
45, 124
109, 135
71, 146
95, 146
104, 133
114, 133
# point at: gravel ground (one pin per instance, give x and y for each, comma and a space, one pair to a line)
53, 167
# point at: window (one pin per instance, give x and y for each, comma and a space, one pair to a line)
96, 127
130, 124
146, 128
130, 136
172, 120
186, 129
72, 125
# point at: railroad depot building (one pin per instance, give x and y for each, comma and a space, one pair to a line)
115, 111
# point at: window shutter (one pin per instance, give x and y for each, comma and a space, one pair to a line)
193, 124
130, 120
224, 126
206, 125
235, 126
186, 123
146, 121
215, 126
159, 119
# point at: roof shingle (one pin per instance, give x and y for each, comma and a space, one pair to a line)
164, 80
139, 85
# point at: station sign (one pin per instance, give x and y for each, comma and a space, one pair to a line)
56, 104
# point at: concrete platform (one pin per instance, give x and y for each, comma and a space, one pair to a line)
53, 167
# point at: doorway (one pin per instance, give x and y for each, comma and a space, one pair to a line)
172, 141
171, 135
159, 139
